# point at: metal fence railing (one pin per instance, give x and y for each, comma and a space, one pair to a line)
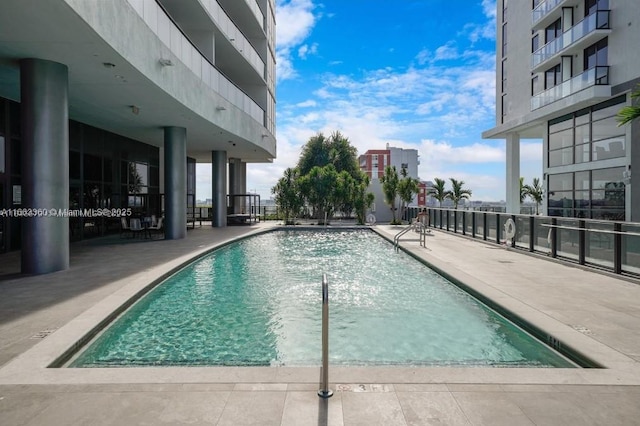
608, 245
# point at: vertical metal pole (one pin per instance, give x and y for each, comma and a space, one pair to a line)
324, 391
617, 248
582, 242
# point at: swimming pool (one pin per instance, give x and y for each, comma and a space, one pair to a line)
257, 302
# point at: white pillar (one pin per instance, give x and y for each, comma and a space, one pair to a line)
513, 173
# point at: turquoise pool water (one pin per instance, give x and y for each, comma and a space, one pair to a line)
258, 302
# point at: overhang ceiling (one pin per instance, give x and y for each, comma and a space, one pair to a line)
103, 87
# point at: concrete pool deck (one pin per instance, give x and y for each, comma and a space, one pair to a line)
595, 314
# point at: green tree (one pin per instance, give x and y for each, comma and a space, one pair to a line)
458, 193
390, 181
344, 176
523, 192
439, 191
534, 192
407, 188
629, 113
314, 153
320, 189
287, 195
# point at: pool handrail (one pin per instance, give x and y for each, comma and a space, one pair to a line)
396, 239
324, 391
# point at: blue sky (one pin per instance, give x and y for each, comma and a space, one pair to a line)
414, 74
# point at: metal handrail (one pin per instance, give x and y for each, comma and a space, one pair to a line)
396, 239
324, 391
596, 230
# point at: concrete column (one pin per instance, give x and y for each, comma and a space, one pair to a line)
219, 188
175, 183
513, 173
242, 177
241, 182
44, 89
234, 184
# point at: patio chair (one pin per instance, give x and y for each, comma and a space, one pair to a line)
124, 227
136, 226
156, 228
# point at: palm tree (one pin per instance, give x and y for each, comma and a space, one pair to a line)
629, 113
407, 188
523, 193
390, 182
458, 193
534, 192
438, 190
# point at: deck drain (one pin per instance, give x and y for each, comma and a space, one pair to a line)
581, 329
44, 333
505, 261
362, 388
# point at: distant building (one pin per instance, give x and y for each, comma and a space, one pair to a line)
373, 163
564, 69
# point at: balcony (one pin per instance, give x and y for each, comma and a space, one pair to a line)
597, 76
543, 9
580, 34
179, 44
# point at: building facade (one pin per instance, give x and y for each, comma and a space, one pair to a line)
374, 161
111, 104
564, 68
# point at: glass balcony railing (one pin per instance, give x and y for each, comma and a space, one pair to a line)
169, 33
599, 20
609, 245
543, 8
597, 76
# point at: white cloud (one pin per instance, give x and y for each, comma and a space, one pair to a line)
307, 104
305, 50
295, 20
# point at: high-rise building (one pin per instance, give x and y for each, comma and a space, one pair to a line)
373, 163
109, 104
564, 68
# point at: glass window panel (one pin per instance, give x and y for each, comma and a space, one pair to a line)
92, 167
561, 182
74, 165
582, 213
606, 112
2, 167
16, 155
582, 153
582, 117
561, 157
154, 176
561, 199
583, 134
582, 180
142, 171
608, 214
108, 170
564, 124
581, 199
609, 148
605, 198
607, 178
607, 128
92, 196
561, 212
561, 139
